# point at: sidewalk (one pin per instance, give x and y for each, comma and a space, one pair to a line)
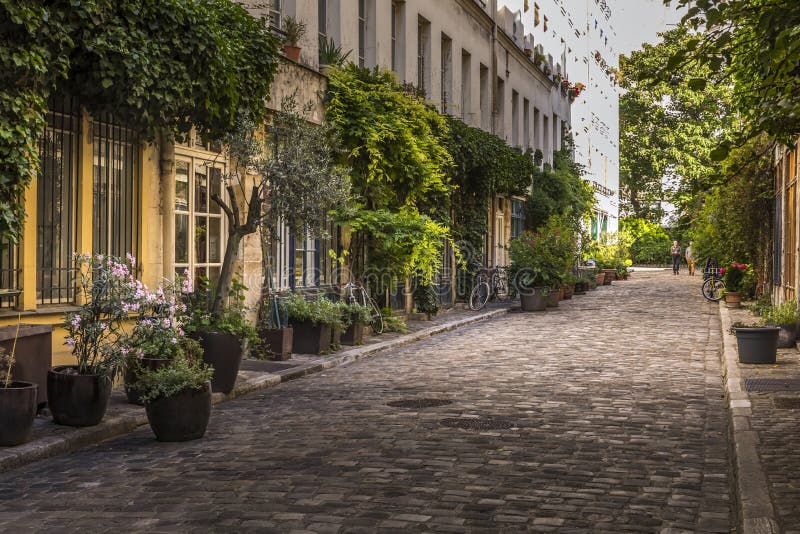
50, 439
764, 407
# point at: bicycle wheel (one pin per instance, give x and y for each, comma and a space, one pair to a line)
713, 289
377, 317
479, 296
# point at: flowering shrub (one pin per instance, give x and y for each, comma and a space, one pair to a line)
736, 276
110, 293
542, 258
197, 316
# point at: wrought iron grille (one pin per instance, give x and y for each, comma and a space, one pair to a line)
56, 213
115, 191
9, 273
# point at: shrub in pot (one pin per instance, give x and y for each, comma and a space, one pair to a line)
355, 317
178, 399
78, 394
18, 404
737, 279
275, 336
330, 55
785, 317
224, 335
294, 30
313, 321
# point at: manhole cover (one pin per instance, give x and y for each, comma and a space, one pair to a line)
419, 403
771, 384
787, 404
476, 423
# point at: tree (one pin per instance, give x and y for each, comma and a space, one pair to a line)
650, 243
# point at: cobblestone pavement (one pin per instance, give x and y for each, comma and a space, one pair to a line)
611, 419
776, 418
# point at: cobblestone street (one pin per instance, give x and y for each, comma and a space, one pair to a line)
609, 416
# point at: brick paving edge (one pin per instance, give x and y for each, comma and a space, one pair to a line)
756, 510
114, 426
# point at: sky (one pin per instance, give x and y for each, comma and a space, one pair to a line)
638, 21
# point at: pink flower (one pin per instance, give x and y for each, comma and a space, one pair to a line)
742, 266
722, 271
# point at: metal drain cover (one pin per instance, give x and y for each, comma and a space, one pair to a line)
476, 423
419, 403
771, 384
786, 404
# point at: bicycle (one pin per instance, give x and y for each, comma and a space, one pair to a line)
357, 294
489, 284
713, 284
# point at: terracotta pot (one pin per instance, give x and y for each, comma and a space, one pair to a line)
611, 274
77, 400
292, 53
553, 298
17, 412
733, 299
600, 278
568, 290
182, 417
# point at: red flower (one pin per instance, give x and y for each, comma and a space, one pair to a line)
722, 271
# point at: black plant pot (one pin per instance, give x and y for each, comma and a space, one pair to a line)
182, 417
75, 399
17, 412
279, 342
757, 345
336, 338
580, 288
149, 364
354, 335
223, 352
310, 338
533, 301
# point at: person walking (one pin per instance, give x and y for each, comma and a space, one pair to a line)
689, 255
676, 257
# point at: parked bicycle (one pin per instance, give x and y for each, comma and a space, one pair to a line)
713, 284
356, 293
489, 284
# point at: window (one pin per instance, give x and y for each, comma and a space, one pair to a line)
514, 118
322, 22
56, 215
447, 72
423, 52
526, 123
274, 10
466, 87
114, 189
303, 262
362, 32
546, 137
537, 136
9, 273
199, 224
517, 217
500, 126
484, 96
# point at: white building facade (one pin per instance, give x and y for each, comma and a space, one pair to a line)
580, 37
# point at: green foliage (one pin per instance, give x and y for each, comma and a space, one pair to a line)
543, 258
736, 276
650, 242
330, 53
392, 323
354, 313
612, 251
129, 58
559, 191
425, 299
231, 319
318, 311
180, 375
294, 30
782, 315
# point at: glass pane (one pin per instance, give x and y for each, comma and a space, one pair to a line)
200, 239
182, 185
199, 274
214, 239
216, 188
200, 189
181, 238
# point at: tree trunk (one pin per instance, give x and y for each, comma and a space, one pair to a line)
226, 272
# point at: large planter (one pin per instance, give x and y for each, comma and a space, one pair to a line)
568, 291
600, 279
580, 288
292, 53
611, 274
278, 342
33, 354
147, 364
733, 299
534, 300
310, 338
75, 399
182, 417
18, 404
223, 352
757, 345
354, 335
336, 338
553, 298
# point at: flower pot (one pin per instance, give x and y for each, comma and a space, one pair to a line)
278, 342
611, 274
733, 299
568, 290
354, 335
757, 345
600, 279
533, 300
292, 53
336, 338
223, 352
75, 399
33, 354
553, 298
324, 69
310, 338
148, 364
580, 288
182, 417
18, 403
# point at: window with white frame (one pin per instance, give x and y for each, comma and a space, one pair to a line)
274, 9
517, 217
362, 33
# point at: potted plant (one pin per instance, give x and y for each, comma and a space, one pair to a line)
312, 321
330, 55
356, 317
294, 30
178, 398
784, 317
570, 281
18, 404
755, 343
224, 336
274, 333
734, 277
538, 58
78, 394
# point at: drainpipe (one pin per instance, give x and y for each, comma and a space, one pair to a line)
167, 166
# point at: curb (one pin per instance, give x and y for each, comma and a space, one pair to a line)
117, 425
756, 510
